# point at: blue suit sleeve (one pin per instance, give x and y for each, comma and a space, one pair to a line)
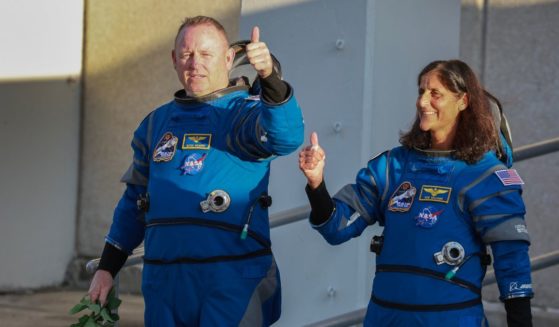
512, 269
127, 229
338, 229
263, 130
497, 210
138, 172
362, 198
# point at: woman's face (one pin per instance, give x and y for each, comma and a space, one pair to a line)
438, 108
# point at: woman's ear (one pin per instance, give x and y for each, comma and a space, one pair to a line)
463, 102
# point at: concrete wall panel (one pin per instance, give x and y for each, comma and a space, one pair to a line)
353, 64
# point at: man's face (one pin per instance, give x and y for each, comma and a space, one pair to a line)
202, 59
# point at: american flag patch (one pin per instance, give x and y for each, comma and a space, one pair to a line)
509, 177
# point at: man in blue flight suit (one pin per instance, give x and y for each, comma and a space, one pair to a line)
197, 189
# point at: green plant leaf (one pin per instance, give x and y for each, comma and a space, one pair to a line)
90, 322
113, 303
85, 299
106, 315
81, 321
100, 316
95, 308
77, 308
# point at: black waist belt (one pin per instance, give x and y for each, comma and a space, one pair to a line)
218, 258
430, 273
209, 223
266, 246
426, 307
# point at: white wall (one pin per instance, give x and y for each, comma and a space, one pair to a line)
39, 134
352, 64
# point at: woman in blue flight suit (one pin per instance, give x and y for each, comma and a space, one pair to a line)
442, 197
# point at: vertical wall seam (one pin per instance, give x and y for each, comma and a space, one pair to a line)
81, 132
483, 51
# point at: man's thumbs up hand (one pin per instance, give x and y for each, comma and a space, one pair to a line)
258, 54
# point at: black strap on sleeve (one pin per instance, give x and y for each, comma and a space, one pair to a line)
322, 205
274, 90
519, 312
112, 259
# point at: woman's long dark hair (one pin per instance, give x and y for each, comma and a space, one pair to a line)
475, 133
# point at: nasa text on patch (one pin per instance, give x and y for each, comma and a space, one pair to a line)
428, 217
193, 163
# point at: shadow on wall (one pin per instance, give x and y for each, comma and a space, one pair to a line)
39, 132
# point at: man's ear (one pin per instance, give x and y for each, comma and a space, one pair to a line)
174, 57
229, 57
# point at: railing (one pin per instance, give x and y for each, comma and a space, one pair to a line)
538, 263
536, 149
356, 317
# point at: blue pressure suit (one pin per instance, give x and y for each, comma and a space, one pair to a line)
438, 215
197, 196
